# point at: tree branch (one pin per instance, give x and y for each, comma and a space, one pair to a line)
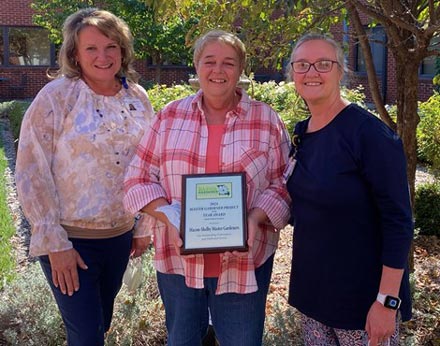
377, 12
432, 17
372, 78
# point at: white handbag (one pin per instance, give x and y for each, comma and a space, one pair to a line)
133, 274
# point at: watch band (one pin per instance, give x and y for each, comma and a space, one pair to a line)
388, 301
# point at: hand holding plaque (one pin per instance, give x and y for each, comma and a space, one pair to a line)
214, 217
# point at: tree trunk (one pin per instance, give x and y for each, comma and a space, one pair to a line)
407, 121
368, 56
407, 116
157, 62
158, 74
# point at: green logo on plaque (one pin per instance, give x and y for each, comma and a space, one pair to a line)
214, 190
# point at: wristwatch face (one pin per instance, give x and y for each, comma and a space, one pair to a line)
392, 303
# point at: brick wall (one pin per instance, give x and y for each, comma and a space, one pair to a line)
21, 82
15, 12
168, 75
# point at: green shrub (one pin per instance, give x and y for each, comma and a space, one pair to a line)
31, 312
427, 209
283, 98
428, 131
161, 95
14, 110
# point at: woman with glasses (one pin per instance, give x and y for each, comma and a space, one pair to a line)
350, 211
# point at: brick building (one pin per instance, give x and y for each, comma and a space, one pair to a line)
383, 62
26, 55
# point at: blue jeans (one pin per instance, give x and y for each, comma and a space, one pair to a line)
87, 314
238, 319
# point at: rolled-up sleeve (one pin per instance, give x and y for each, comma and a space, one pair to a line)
275, 200
141, 182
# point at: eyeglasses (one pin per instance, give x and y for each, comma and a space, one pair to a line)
322, 66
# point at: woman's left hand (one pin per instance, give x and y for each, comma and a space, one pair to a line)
255, 218
139, 246
380, 325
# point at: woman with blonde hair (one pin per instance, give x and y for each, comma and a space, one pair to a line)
76, 140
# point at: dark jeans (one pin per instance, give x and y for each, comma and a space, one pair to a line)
238, 319
87, 313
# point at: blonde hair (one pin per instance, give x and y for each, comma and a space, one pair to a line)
223, 37
109, 25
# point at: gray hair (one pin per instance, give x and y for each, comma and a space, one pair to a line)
223, 37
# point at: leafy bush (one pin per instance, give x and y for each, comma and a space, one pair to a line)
14, 110
161, 95
428, 131
283, 98
427, 208
31, 312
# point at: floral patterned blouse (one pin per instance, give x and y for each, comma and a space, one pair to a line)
73, 150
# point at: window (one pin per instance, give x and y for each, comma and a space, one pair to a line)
428, 66
377, 39
29, 46
3, 35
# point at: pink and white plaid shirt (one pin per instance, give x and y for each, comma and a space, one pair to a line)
255, 142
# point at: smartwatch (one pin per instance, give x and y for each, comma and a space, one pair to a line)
389, 302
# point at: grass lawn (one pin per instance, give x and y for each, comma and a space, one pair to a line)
7, 230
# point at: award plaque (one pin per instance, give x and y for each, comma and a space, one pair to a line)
214, 217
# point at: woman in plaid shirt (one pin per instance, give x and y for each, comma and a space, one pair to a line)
217, 130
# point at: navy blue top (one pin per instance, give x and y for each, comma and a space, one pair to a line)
351, 214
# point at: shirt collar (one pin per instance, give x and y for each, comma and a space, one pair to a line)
241, 110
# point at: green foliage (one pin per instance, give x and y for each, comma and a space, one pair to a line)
160, 95
427, 208
355, 95
428, 131
267, 28
436, 79
14, 110
7, 230
157, 34
31, 312
282, 328
165, 30
283, 98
